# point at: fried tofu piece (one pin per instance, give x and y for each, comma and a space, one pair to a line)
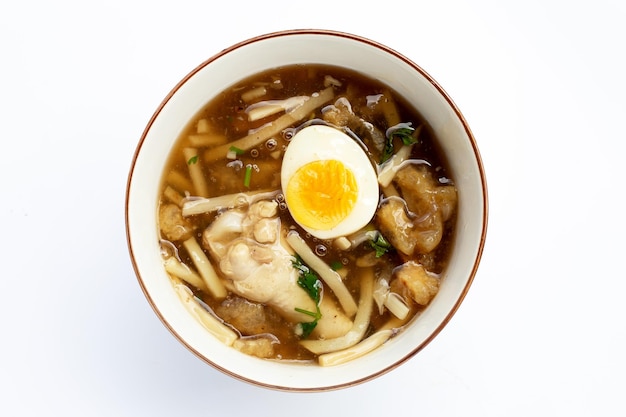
250, 318
421, 285
172, 223
416, 221
395, 224
261, 347
341, 114
423, 193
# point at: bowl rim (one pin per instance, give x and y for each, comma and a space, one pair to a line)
479, 166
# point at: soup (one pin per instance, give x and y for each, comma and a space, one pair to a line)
306, 215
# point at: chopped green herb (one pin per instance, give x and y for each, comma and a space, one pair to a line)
192, 160
307, 312
404, 132
247, 176
380, 245
310, 282
336, 265
307, 328
236, 150
387, 150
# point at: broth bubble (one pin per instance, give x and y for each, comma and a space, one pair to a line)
168, 249
321, 250
237, 164
289, 133
271, 144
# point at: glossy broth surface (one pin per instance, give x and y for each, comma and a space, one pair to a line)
208, 162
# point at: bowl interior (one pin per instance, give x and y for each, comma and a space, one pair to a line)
256, 55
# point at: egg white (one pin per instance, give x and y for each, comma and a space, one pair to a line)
321, 142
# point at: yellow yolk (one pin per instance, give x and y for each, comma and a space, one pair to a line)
321, 194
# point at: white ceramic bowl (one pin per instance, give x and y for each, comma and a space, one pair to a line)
253, 56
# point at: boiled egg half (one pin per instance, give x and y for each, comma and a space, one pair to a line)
329, 183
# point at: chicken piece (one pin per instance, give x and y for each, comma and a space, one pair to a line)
261, 222
263, 209
264, 231
225, 228
422, 285
262, 271
271, 280
172, 223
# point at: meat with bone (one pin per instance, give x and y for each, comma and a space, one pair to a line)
255, 264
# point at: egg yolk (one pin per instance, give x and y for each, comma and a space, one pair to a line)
321, 194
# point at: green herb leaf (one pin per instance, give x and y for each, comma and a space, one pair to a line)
380, 245
336, 265
311, 285
307, 328
402, 131
316, 315
387, 150
405, 134
192, 160
310, 282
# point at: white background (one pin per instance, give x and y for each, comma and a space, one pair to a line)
541, 83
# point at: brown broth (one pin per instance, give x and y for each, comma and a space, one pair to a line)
227, 118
